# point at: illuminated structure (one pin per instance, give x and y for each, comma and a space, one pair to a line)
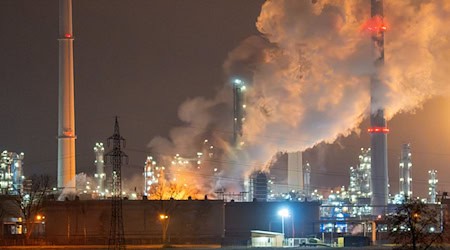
353, 187
360, 178
405, 172
239, 118
378, 130
100, 175
432, 185
365, 173
307, 180
11, 172
238, 111
66, 113
150, 175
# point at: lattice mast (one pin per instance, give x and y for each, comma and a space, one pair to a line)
115, 157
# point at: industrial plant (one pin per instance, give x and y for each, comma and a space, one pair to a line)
187, 198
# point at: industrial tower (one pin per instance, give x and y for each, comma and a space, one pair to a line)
238, 111
378, 130
405, 172
307, 180
150, 175
115, 158
11, 172
66, 113
100, 175
432, 185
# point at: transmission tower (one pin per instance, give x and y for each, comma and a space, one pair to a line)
115, 158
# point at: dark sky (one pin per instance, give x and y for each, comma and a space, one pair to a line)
140, 60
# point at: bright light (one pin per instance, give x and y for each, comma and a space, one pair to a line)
163, 216
283, 213
237, 81
378, 130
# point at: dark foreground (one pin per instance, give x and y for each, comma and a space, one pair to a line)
186, 247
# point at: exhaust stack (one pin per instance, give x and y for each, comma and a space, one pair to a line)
66, 113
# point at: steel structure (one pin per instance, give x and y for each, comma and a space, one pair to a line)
100, 175
405, 178
378, 130
115, 157
11, 172
238, 111
432, 185
307, 180
66, 112
360, 187
259, 186
150, 174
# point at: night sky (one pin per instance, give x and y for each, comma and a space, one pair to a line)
140, 60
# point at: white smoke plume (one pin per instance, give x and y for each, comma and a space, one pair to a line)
309, 75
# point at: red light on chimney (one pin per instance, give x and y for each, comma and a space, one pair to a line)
378, 130
67, 35
374, 25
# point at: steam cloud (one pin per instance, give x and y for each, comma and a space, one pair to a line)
309, 74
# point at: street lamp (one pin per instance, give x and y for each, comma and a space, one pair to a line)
164, 218
283, 213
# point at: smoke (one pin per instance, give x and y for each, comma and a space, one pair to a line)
417, 52
309, 74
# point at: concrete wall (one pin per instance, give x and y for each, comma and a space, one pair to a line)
89, 221
191, 221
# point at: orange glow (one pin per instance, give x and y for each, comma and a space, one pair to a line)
176, 188
375, 25
163, 216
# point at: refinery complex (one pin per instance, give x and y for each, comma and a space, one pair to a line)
216, 193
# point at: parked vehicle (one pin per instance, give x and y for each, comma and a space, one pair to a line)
303, 242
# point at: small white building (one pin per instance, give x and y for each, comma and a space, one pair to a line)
266, 239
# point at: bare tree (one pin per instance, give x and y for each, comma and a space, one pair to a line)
30, 202
416, 225
165, 190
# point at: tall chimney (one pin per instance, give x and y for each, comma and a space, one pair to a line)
66, 115
378, 130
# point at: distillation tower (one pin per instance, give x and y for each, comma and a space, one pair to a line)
432, 185
307, 180
150, 174
405, 177
238, 112
100, 175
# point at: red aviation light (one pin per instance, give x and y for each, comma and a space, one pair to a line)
374, 25
67, 35
378, 130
